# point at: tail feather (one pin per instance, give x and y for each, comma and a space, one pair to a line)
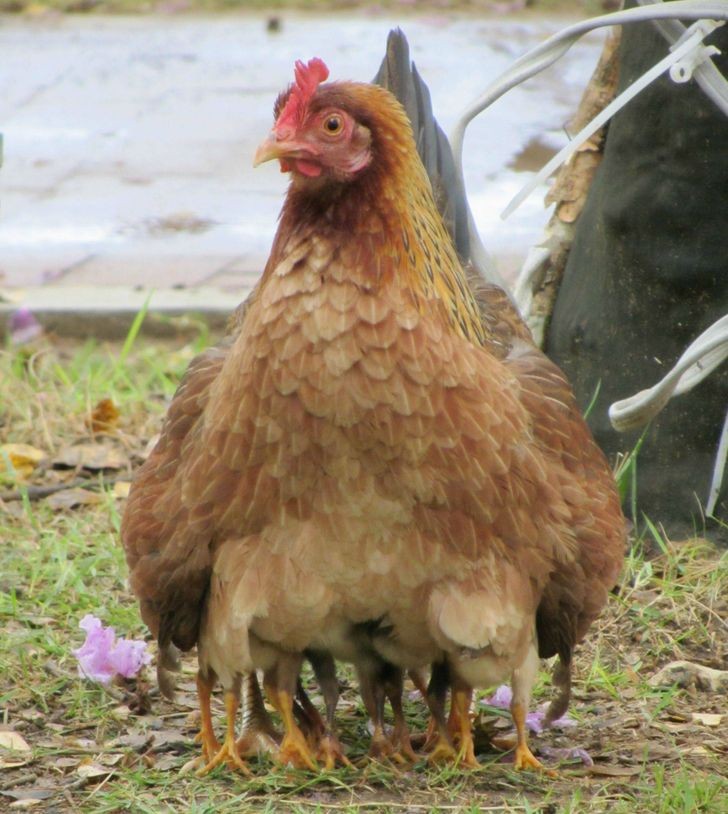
561, 679
168, 662
399, 76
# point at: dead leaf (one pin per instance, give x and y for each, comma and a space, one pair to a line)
13, 762
23, 459
104, 417
25, 803
29, 794
607, 770
70, 498
707, 718
13, 741
91, 456
688, 674
92, 771
121, 489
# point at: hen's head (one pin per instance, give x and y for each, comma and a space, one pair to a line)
324, 131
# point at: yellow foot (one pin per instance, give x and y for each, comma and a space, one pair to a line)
296, 752
442, 752
210, 746
525, 759
384, 751
402, 746
331, 753
466, 754
227, 753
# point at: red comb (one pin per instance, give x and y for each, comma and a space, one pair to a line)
308, 78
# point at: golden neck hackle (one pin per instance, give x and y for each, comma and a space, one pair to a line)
388, 217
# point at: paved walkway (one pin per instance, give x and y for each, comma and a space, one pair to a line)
128, 141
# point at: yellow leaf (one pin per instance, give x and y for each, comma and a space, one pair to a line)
105, 416
121, 488
22, 458
707, 718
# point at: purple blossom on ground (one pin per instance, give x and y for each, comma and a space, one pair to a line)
24, 327
102, 655
501, 699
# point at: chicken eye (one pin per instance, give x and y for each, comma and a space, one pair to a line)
333, 125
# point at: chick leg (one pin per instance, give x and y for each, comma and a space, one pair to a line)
280, 684
308, 717
258, 733
228, 752
206, 735
443, 750
462, 696
393, 680
372, 694
329, 749
522, 684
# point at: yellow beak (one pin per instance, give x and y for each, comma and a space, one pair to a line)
271, 148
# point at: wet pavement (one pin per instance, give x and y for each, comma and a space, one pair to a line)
128, 141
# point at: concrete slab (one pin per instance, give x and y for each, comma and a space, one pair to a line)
118, 127
108, 311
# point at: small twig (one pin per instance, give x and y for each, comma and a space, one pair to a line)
39, 492
20, 780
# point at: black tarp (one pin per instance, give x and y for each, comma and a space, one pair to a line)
647, 272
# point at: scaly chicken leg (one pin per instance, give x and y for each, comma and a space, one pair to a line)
438, 734
228, 751
330, 750
280, 685
206, 735
522, 684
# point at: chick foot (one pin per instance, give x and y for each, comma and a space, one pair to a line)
330, 752
228, 752
296, 752
442, 752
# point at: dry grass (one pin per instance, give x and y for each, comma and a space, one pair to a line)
654, 748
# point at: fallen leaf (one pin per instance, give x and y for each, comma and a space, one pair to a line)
25, 803
13, 763
22, 459
688, 674
92, 771
104, 417
606, 770
707, 718
29, 794
91, 456
70, 498
121, 489
13, 741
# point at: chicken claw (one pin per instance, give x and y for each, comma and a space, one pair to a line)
330, 752
228, 752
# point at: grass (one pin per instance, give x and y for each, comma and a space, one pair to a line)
57, 565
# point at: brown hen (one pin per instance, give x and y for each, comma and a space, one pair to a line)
378, 464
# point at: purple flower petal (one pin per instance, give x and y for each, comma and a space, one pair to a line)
24, 327
101, 656
128, 657
534, 721
501, 698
